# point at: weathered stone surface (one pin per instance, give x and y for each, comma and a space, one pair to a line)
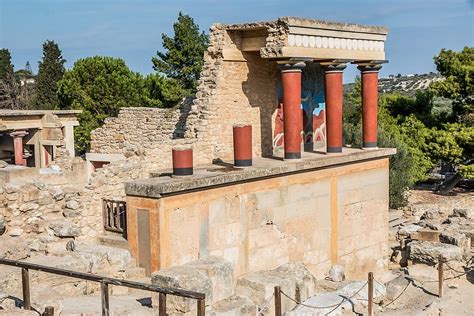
185, 278
3, 164
234, 306
463, 212
396, 286
28, 207
335, 303
72, 204
428, 252
115, 256
3, 225
406, 231
64, 228
14, 232
426, 235
58, 194
336, 274
13, 248
294, 279
68, 213
455, 238
212, 276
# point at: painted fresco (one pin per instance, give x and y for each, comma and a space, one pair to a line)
313, 111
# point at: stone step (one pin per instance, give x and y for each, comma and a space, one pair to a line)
294, 279
116, 241
119, 305
234, 306
334, 303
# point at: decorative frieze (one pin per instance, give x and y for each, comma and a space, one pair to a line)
308, 41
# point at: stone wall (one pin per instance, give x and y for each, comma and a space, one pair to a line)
319, 218
229, 92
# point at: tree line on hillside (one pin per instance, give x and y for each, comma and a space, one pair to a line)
100, 86
425, 136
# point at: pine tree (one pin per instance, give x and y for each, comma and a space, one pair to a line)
50, 71
184, 56
6, 66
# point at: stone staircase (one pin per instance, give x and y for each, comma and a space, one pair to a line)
70, 296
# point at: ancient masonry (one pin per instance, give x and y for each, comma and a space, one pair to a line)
307, 201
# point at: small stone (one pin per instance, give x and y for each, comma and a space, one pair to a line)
14, 232
40, 186
336, 274
463, 212
28, 207
58, 195
69, 213
64, 228
73, 205
3, 164
71, 245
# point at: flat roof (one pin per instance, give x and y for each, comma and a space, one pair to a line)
215, 175
37, 112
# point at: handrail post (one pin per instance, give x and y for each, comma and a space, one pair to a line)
48, 311
25, 281
277, 292
440, 276
201, 307
162, 304
104, 296
370, 296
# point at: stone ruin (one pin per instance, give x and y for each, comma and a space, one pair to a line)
230, 233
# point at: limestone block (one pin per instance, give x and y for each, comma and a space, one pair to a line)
116, 257
212, 276
294, 279
428, 252
454, 237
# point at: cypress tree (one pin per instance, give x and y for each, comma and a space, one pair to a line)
184, 56
50, 71
6, 66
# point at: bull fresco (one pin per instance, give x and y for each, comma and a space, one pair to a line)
312, 110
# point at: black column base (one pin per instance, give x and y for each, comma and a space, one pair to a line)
243, 162
334, 149
293, 155
183, 171
370, 145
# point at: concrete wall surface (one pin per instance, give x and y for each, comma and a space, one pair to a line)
337, 215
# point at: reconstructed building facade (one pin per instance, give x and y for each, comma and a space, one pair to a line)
307, 198
31, 138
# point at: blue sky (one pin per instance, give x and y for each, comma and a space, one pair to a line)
132, 30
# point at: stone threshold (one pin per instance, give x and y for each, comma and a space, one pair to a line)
223, 173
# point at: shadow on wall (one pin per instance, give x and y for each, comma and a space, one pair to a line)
184, 109
260, 88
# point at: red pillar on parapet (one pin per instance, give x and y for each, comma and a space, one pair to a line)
333, 96
369, 79
292, 115
18, 147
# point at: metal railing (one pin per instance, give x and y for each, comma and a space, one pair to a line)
104, 286
115, 216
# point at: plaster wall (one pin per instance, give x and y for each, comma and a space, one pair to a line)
320, 217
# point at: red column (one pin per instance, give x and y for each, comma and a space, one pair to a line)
182, 161
242, 145
369, 76
333, 96
18, 147
292, 115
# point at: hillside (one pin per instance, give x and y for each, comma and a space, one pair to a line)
407, 84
